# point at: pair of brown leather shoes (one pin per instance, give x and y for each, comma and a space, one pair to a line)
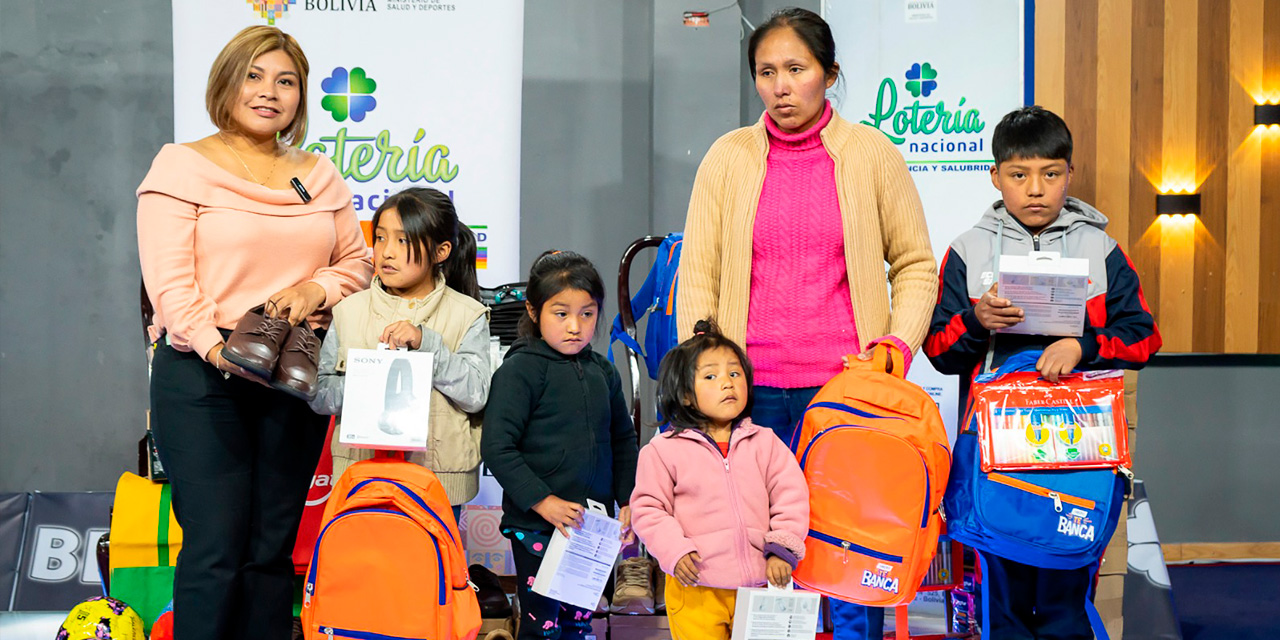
274, 350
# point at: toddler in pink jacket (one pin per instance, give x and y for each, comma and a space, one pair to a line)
720, 502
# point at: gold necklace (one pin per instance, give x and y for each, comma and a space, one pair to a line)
246, 166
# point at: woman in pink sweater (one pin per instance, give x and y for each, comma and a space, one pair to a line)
720, 502
221, 230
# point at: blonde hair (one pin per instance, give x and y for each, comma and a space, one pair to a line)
231, 67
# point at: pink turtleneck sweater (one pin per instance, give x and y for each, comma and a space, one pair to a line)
800, 316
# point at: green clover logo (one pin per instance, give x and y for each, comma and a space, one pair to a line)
349, 94
920, 79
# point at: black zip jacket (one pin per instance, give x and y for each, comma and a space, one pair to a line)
557, 425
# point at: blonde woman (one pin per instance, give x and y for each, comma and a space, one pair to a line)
221, 229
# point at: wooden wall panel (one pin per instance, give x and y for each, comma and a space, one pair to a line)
1213, 77
1146, 132
1269, 256
1080, 104
1051, 39
1178, 172
1115, 31
1159, 95
1244, 180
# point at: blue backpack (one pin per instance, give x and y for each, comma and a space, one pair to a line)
657, 298
1055, 519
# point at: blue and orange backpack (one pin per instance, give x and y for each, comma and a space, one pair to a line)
1054, 519
389, 561
657, 299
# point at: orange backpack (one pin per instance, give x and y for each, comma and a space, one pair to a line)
876, 458
389, 562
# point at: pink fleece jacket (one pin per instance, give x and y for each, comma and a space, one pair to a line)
731, 510
213, 245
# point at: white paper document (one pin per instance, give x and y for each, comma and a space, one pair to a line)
775, 614
386, 399
1050, 290
575, 569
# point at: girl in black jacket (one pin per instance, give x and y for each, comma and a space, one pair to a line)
557, 431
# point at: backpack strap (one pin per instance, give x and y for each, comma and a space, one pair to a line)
884, 357
1095, 618
641, 302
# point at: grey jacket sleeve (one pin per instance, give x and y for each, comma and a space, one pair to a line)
462, 376
328, 399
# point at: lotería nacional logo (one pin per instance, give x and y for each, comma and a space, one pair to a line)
271, 9
932, 127
349, 93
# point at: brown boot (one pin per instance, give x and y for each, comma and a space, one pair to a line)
299, 358
255, 344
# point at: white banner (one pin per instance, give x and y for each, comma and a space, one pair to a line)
935, 76
402, 93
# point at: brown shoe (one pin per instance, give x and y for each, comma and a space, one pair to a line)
299, 357
255, 344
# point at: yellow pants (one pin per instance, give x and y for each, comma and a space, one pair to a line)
699, 613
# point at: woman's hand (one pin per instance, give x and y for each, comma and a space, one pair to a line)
562, 514
778, 570
624, 516
686, 570
401, 334
214, 357
296, 303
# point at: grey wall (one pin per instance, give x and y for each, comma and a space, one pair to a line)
86, 100
1208, 446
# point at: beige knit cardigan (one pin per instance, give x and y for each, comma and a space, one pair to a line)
883, 223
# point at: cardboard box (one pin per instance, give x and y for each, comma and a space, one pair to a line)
1109, 599
599, 629
623, 627
575, 569
1050, 290
483, 540
386, 399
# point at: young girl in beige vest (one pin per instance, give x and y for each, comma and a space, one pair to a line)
417, 300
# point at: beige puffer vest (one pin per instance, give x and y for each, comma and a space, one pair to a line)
454, 442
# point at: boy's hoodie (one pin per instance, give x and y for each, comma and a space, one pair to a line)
1119, 331
733, 510
557, 425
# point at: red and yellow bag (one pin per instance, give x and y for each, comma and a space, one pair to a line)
1026, 423
875, 454
389, 562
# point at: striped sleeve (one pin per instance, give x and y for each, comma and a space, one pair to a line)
956, 340
1129, 336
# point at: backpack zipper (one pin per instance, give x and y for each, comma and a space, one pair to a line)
310, 588
409, 492
795, 437
849, 546
1057, 496
333, 632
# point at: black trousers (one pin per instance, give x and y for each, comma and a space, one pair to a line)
240, 458
542, 618
1030, 603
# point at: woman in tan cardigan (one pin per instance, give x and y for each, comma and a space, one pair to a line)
790, 226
